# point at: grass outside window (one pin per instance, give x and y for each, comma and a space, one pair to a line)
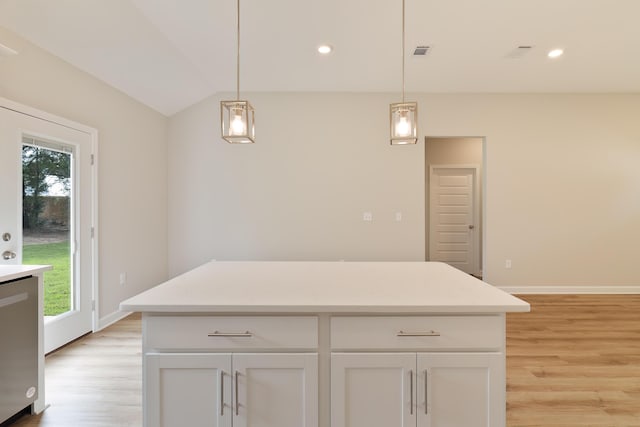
57, 282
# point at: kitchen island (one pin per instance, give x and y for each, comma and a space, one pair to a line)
308, 344
22, 336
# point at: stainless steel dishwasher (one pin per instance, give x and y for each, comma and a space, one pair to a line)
18, 345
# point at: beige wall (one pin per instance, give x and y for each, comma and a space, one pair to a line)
453, 151
562, 183
300, 192
562, 180
132, 163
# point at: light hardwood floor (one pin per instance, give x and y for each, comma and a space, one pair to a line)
95, 381
573, 361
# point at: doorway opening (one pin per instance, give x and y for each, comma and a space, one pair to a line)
454, 186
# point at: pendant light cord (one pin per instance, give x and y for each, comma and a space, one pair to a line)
402, 50
238, 56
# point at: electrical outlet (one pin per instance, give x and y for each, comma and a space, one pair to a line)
398, 216
123, 279
507, 264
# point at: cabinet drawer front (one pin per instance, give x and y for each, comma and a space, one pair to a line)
417, 333
230, 333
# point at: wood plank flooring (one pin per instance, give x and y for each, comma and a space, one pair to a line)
573, 361
95, 381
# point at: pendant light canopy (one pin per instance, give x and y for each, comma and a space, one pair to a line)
404, 115
238, 117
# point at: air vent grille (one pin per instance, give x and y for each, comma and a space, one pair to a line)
421, 50
519, 51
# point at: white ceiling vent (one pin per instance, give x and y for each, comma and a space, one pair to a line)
6, 51
519, 52
421, 50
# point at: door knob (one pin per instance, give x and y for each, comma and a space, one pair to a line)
6, 255
471, 227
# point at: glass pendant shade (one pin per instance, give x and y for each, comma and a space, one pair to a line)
238, 122
404, 123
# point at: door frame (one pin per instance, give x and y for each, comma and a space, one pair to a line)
478, 244
52, 118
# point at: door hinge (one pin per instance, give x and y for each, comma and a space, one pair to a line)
92, 159
93, 305
93, 232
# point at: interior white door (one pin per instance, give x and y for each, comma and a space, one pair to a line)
453, 217
15, 126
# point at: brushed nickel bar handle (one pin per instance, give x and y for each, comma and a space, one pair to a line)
418, 334
13, 299
245, 334
221, 393
237, 403
426, 391
411, 393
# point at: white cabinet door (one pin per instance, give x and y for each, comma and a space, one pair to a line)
221, 390
460, 390
188, 390
275, 390
373, 390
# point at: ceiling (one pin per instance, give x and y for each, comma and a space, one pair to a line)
170, 54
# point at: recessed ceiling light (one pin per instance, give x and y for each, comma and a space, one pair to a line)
555, 53
325, 49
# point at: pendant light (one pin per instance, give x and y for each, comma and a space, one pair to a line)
237, 117
404, 115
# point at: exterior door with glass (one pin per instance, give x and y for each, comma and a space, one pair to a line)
47, 212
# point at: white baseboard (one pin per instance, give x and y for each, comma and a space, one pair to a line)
522, 290
110, 319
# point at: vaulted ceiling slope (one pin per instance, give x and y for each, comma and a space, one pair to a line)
169, 54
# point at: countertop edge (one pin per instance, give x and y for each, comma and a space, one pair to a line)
324, 287
11, 272
275, 309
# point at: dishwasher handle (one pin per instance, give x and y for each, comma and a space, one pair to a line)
13, 299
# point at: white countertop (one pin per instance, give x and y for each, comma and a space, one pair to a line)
10, 272
324, 287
